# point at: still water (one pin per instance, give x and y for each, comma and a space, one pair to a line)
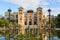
3, 38
54, 38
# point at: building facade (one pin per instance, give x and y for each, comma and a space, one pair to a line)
30, 21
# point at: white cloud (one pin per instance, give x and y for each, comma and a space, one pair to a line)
33, 4
58, 0
54, 11
43, 2
30, 4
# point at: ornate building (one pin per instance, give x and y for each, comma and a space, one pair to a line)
31, 21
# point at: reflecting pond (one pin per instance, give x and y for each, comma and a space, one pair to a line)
52, 38
3, 38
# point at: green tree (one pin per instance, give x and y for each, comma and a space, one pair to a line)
53, 23
58, 20
4, 23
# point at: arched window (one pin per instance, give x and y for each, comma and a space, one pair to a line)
25, 22
35, 20
35, 23
20, 11
30, 22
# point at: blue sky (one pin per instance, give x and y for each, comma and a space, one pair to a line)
54, 5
